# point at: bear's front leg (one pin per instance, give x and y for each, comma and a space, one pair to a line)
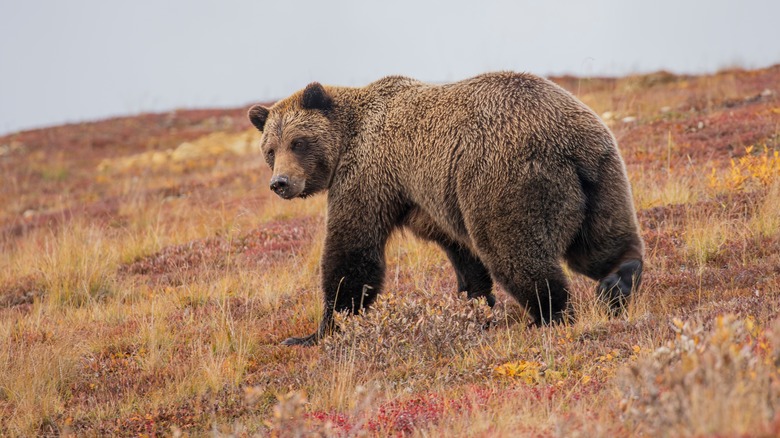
352, 276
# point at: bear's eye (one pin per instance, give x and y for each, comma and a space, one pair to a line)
298, 145
269, 156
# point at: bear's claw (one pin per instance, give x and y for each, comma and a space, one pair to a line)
306, 341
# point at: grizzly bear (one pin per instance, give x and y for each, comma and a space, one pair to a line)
507, 172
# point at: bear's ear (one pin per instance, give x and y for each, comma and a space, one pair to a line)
257, 115
316, 98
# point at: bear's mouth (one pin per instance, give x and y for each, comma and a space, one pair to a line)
285, 195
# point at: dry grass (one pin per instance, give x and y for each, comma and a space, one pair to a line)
719, 381
150, 298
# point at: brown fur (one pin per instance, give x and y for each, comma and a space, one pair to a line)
508, 172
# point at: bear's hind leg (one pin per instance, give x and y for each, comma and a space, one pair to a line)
541, 287
521, 234
607, 246
532, 275
615, 289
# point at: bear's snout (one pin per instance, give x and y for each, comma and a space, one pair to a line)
280, 184
286, 187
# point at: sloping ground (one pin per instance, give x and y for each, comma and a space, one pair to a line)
147, 277
255, 250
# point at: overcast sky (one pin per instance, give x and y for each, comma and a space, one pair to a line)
72, 60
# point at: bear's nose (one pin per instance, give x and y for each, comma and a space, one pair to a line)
279, 183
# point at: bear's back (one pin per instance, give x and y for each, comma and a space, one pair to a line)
503, 115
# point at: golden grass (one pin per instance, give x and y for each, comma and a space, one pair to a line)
35, 376
705, 237
766, 221
669, 191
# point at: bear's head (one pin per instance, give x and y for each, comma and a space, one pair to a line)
299, 141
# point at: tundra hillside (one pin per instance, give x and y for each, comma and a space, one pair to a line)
148, 276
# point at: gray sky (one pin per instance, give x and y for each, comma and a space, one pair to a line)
73, 60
